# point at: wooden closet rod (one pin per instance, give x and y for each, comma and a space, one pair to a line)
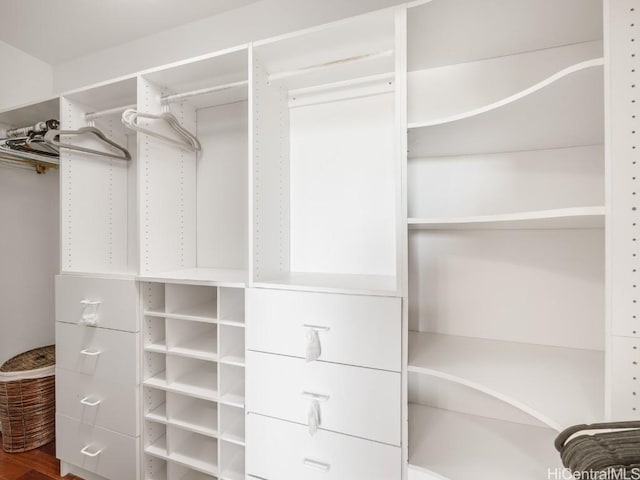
177, 97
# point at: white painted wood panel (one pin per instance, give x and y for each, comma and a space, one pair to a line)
118, 303
118, 457
92, 400
352, 400
624, 371
285, 451
276, 322
107, 355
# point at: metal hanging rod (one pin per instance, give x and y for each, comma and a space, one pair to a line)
333, 63
109, 111
177, 97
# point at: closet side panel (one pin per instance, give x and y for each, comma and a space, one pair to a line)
623, 25
270, 177
94, 195
167, 190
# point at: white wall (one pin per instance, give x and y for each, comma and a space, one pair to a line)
23, 78
256, 21
29, 254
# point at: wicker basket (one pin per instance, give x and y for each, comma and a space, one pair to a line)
27, 400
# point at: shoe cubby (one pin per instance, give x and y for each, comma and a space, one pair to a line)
194, 379
97, 193
194, 204
326, 191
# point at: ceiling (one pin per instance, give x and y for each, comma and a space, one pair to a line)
57, 31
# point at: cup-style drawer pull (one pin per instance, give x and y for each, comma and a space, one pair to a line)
316, 396
320, 328
89, 314
323, 467
85, 451
90, 353
89, 403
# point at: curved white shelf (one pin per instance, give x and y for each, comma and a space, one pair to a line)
446, 445
597, 62
557, 386
564, 110
578, 217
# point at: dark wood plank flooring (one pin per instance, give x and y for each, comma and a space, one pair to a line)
38, 464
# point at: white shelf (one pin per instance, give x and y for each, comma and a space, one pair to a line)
237, 360
205, 466
201, 348
156, 347
158, 448
191, 385
232, 399
236, 469
568, 111
158, 414
558, 386
195, 420
333, 283
234, 434
578, 217
200, 276
454, 446
197, 313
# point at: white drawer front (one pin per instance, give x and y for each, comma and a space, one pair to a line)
280, 450
353, 329
108, 355
352, 400
105, 302
108, 454
92, 401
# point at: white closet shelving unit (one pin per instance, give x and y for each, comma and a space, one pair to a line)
193, 265
324, 107
506, 214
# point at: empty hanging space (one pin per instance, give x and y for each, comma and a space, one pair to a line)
98, 179
193, 124
324, 176
506, 214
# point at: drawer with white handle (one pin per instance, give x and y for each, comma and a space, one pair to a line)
341, 398
351, 329
281, 450
99, 302
106, 453
92, 401
109, 355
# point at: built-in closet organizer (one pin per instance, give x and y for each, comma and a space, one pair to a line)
97, 308
324, 317
506, 213
193, 215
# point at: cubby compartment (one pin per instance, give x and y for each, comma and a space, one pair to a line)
193, 414
193, 339
155, 441
155, 405
232, 385
232, 462
326, 158
231, 306
198, 378
194, 451
193, 205
155, 468
232, 345
232, 424
155, 369
155, 334
97, 193
191, 302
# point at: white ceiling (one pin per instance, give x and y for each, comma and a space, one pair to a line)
56, 31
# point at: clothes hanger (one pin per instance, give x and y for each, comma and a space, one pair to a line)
187, 139
51, 135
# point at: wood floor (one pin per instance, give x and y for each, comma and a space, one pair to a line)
39, 464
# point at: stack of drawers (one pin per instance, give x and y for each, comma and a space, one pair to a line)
97, 376
356, 383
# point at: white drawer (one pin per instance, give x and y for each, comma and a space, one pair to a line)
108, 355
108, 454
89, 400
280, 450
353, 329
352, 400
107, 302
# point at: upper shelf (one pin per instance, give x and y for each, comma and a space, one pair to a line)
558, 386
496, 28
563, 110
578, 217
446, 445
333, 283
199, 276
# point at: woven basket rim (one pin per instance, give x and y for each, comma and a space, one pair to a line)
34, 359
